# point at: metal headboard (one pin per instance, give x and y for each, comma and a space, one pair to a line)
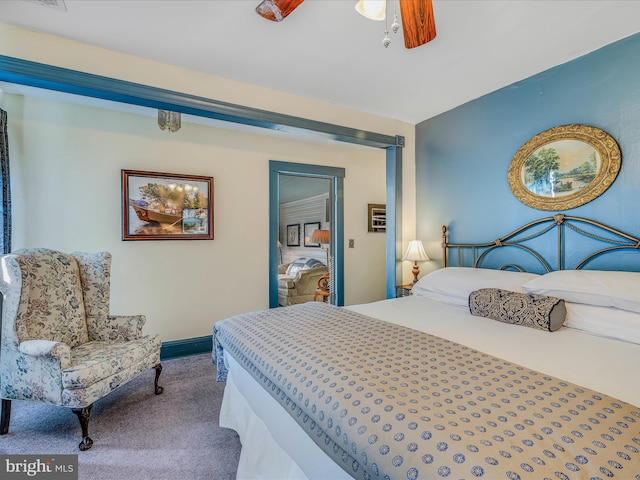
616, 240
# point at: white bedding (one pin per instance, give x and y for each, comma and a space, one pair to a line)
274, 447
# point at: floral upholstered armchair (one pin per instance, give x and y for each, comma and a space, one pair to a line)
59, 343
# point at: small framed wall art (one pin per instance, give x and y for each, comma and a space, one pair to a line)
166, 206
293, 235
309, 228
377, 217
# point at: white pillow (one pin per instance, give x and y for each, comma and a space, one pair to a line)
591, 287
604, 321
453, 285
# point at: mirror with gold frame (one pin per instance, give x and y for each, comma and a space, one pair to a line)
564, 167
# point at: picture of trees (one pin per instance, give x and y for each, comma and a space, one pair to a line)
166, 205
564, 167
172, 197
560, 168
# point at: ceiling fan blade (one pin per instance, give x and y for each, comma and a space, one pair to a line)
277, 10
418, 23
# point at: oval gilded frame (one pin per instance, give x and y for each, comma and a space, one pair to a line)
605, 155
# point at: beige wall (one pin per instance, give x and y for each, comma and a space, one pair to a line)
66, 162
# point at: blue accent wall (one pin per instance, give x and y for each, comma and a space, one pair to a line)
462, 156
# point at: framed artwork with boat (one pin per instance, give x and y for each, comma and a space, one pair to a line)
166, 206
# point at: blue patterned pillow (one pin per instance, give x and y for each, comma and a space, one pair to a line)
530, 310
302, 264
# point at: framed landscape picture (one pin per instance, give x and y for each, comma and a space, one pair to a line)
564, 167
166, 206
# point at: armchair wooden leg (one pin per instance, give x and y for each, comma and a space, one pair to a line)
158, 369
6, 416
83, 415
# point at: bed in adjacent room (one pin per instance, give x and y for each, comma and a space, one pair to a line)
539, 382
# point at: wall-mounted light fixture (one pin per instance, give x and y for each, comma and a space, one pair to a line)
169, 120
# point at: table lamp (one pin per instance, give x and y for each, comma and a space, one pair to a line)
322, 237
415, 253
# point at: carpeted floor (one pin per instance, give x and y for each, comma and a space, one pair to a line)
138, 435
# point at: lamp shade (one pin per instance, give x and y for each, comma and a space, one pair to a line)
372, 9
321, 236
415, 252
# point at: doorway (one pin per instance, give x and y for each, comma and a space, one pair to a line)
325, 186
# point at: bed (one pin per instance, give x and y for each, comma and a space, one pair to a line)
540, 382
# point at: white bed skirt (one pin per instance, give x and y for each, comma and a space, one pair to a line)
266, 430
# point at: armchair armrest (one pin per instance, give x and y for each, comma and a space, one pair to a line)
307, 280
47, 348
286, 281
282, 268
120, 328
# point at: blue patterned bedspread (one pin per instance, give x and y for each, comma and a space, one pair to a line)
385, 401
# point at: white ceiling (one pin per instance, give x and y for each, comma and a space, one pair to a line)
324, 50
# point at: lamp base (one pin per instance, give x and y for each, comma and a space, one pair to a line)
415, 271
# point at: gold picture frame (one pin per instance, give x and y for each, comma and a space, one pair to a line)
564, 167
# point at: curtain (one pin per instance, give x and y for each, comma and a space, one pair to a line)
5, 214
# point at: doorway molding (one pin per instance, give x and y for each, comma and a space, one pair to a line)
336, 176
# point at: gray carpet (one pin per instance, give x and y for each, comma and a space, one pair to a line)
138, 435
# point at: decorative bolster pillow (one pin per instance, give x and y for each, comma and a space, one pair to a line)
530, 310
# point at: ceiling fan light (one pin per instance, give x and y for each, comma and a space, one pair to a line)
372, 9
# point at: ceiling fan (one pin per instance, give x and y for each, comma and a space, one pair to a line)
418, 23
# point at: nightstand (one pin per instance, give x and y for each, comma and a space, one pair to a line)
403, 290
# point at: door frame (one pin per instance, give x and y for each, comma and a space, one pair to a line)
336, 176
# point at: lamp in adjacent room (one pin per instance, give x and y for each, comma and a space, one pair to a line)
415, 253
171, 121
323, 237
